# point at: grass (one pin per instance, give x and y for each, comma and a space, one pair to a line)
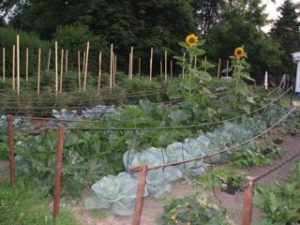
27, 205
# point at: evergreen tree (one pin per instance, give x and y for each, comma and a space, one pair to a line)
286, 32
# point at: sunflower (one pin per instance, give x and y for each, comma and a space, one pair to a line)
191, 39
239, 52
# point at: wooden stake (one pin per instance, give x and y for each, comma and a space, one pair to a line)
115, 70
140, 66
183, 66
3, 64
219, 68
129, 66
227, 68
100, 72
195, 63
39, 72
79, 70
13, 67
131, 63
166, 66
58, 171
139, 202
86, 65
111, 66
67, 61
48, 64
18, 65
61, 71
26, 65
151, 64
12, 163
56, 67
205, 60
83, 62
247, 209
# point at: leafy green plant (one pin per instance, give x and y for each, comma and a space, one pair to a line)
27, 204
193, 209
280, 203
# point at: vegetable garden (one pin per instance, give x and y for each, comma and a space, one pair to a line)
135, 139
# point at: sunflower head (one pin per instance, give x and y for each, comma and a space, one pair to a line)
239, 52
191, 39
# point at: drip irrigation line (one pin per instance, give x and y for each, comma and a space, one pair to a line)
277, 166
215, 152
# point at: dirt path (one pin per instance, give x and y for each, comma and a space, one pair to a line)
234, 203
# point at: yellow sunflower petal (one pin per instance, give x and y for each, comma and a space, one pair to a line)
191, 39
239, 52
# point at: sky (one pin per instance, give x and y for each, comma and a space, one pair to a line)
272, 11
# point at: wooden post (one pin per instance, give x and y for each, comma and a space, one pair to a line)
13, 67
139, 202
166, 66
131, 63
86, 65
18, 65
49, 61
100, 72
129, 66
3, 64
151, 64
61, 71
56, 67
26, 65
111, 66
12, 163
58, 171
79, 70
67, 62
39, 72
227, 68
83, 62
247, 208
219, 68
140, 66
183, 66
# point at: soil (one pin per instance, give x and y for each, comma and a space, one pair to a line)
154, 207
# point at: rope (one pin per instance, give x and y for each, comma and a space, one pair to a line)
215, 152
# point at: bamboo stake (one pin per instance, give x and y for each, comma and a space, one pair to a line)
86, 65
61, 71
227, 68
100, 72
195, 63
219, 68
140, 66
131, 63
13, 67
18, 65
111, 66
79, 70
67, 61
26, 65
39, 72
129, 66
151, 64
205, 60
49, 61
83, 61
183, 66
56, 68
3, 64
166, 66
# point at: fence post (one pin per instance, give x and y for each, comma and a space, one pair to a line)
138, 209
58, 171
247, 208
12, 163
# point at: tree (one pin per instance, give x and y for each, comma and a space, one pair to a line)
286, 32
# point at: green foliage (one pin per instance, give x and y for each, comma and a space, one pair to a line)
293, 124
193, 210
280, 202
27, 204
260, 155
